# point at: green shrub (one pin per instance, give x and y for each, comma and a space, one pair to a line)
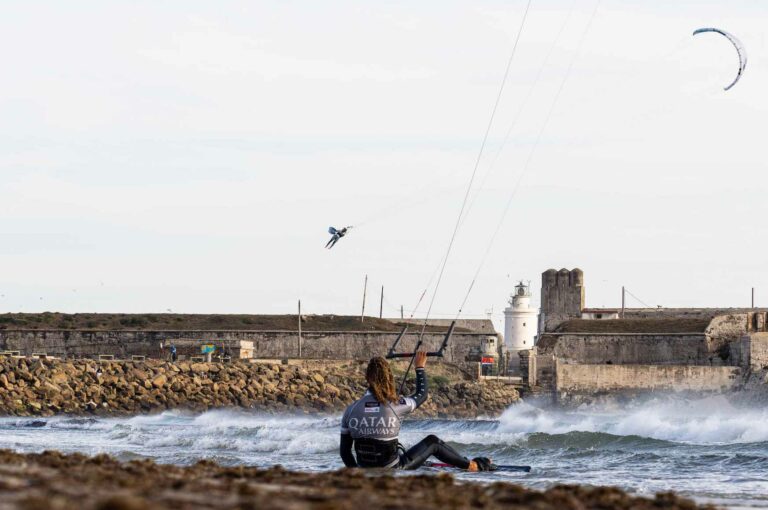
440, 381
132, 322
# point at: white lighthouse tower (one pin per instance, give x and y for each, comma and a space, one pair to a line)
520, 321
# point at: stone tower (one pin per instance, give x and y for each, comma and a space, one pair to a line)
562, 297
520, 320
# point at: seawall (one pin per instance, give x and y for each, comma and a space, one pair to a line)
601, 378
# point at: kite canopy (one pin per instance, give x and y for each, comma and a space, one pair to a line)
739, 50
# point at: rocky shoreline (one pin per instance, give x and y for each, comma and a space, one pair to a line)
38, 387
52, 480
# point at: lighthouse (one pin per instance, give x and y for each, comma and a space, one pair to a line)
520, 320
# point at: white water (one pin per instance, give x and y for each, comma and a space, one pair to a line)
711, 420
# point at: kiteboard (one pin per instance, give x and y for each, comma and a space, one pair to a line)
501, 467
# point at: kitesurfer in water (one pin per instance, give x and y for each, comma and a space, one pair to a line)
371, 426
336, 235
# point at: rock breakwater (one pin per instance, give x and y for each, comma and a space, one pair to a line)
38, 387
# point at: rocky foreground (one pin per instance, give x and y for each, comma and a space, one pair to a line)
60, 482
35, 387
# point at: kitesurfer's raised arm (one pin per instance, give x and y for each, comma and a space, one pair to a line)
420, 395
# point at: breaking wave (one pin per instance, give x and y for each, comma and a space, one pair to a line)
703, 421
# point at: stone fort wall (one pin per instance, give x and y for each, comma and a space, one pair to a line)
123, 344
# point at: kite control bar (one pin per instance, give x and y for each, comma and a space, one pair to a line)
439, 353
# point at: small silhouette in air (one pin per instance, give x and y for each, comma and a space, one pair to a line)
336, 235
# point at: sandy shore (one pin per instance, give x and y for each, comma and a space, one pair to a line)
56, 481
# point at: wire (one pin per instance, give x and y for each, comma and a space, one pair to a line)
444, 261
529, 158
528, 95
638, 299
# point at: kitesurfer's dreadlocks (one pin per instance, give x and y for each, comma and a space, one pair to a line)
380, 380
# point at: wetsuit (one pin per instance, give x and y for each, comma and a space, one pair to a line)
373, 430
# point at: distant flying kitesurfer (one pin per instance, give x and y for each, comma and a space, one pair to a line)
371, 426
336, 235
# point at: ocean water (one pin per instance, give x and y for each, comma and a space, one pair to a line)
706, 449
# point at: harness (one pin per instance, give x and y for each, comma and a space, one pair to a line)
375, 453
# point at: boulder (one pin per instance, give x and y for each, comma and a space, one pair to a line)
159, 381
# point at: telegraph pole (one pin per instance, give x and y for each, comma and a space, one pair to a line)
365, 291
753, 297
299, 328
402, 315
381, 304
623, 300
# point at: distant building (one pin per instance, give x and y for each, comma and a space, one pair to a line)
600, 313
520, 320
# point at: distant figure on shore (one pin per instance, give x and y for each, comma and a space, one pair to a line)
336, 235
173, 353
371, 426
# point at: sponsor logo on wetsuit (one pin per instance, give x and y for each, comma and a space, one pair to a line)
374, 426
372, 407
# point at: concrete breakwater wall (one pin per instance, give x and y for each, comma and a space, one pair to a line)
600, 378
34, 387
123, 344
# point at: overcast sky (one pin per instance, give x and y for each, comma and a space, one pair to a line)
191, 155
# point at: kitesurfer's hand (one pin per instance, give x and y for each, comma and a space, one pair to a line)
473, 467
421, 359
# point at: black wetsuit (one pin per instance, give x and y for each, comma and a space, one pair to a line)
373, 430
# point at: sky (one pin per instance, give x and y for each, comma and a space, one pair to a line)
190, 156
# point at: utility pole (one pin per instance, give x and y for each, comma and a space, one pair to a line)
623, 300
365, 291
299, 328
381, 304
402, 315
753, 297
